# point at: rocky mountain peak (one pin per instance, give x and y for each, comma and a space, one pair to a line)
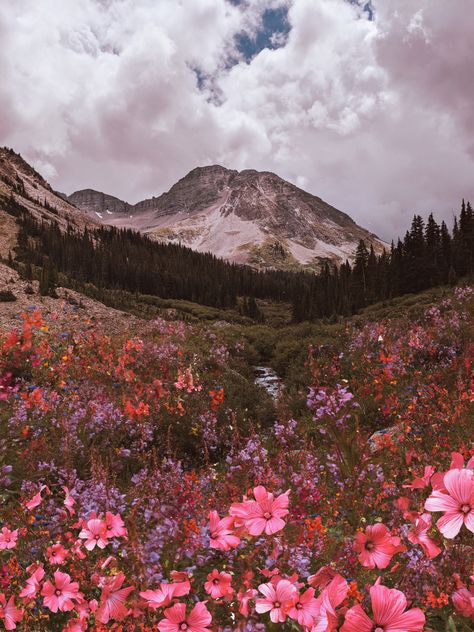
240, 216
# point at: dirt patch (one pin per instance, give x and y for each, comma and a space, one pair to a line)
71, 311
8, 233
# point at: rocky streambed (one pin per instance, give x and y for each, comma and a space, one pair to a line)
268, 379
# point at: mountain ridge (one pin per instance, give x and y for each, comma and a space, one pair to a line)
248, 216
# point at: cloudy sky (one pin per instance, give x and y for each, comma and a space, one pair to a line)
368, 105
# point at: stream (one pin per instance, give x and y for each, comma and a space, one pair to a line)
268, 379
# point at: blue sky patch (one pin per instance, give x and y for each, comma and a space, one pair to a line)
272, 33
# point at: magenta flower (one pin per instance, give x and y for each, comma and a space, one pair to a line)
112, 600
262, 514
326, 618
59, 596
218, 584
37, 498
277, 599
389, 614
376, 546
160, 597
222, 536
304, 608
8, 538
115, 526
419, 535
69, 501
456, 500
32, 584
422, 481
10, 614
177, 621
56, 554
463, 601
94, 534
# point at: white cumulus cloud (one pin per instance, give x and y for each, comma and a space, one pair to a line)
126, 96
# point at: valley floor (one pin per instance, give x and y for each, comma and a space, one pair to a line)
148, 483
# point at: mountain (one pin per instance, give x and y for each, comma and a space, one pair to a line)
23, 184
247, 217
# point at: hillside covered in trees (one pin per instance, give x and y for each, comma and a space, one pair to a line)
429, 255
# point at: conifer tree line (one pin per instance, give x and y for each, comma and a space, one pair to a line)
124, 259
429, 255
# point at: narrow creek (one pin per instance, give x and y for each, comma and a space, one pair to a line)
268, 379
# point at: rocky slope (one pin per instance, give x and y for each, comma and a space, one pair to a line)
18, 180
247, 217
71, 310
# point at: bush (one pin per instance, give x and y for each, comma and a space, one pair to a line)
7, 296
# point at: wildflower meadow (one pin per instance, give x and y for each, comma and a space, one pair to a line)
137, 495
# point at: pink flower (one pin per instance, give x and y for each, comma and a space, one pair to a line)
95, 534
456, 500
278, 599
419, 483
419, 535
59, 596
8, 538
69, 501
463, 600
326, 619
457, 463
76, 549
32, 584
389, 612
176, 619
263, 514
9, 613
37, 498
376, 546
322, 578
181, 583
56, 554
304, 608
218, 584
222, 536
244, 596
160, 597
115, 525
112, 600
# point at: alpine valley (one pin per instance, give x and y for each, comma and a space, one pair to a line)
250, 217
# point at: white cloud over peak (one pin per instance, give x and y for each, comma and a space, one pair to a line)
126, 96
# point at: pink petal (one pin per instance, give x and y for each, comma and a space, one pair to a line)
167, 626
411, 621
261, 495
177, 613
262, 605
460, 484
337, 590
357, 621
199, 616
273, 525
439, 501
382, 556
284, 590
268, 591
450, 524
469, 519
281, 502
387, 603
256, 526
